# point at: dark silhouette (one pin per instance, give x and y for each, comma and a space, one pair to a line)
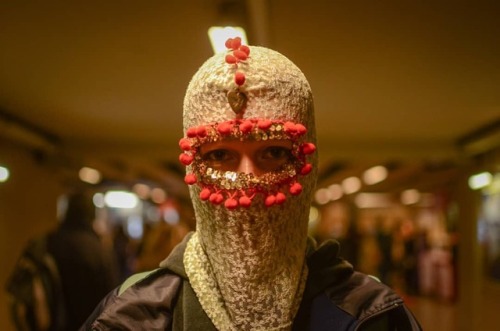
86, 269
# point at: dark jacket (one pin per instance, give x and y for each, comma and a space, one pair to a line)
85, 270
336, 298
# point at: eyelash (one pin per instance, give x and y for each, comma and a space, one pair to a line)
212, 155
282, 151
268, 152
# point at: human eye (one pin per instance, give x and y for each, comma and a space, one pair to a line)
276, 153
217, 155
273, 157
218, 158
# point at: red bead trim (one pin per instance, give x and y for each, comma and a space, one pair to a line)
237, 189
238, 53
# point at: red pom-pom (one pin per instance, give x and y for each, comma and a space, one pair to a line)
186, 159
240, 55
245, 49
306, 169
236, 43
308, 148
224, 128
239, 78
191, 132
280, 198
216, 198
245, 201
229, 42
300, 129
231, 203
185, 144
190, 179
205, 194
231, 59
270, 200
264, 124
289, 127
295, 189
201, 131
246, 126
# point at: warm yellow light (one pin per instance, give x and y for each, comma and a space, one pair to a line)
142, 190
409, 197
480, 180
351, 185
4, 174
313, 214
335, 191
89, 175
218, 36
158, 195
322, 196
375, 175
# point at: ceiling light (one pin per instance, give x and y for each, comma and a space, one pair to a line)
480, 180
121, 199
409, 197
98, 200
89, 175
219, 35
322, 196
142, 190
158, 195
351, 185
335, 191
375, 175
4, 174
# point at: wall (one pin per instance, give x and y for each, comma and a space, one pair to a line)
27, 208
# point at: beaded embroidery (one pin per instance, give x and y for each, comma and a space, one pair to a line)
238, 189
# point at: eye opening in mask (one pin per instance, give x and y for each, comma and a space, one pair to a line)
278, 151
256, 157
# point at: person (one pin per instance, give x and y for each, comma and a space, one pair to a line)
251, 166
86, 268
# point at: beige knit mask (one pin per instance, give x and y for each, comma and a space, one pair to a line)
246, 260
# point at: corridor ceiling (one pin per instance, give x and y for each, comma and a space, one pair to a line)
101, 83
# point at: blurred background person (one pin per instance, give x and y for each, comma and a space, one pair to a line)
87, 269
61, 275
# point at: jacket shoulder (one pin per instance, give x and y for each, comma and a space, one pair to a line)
362, 302
147, 297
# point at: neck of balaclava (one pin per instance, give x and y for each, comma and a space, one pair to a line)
257, 259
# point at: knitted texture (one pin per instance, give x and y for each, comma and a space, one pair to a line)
261, 314
275, 87
247, 266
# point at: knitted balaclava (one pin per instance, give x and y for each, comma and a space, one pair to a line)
246, 260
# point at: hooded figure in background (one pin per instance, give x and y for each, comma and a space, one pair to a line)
251, 163
86, 268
